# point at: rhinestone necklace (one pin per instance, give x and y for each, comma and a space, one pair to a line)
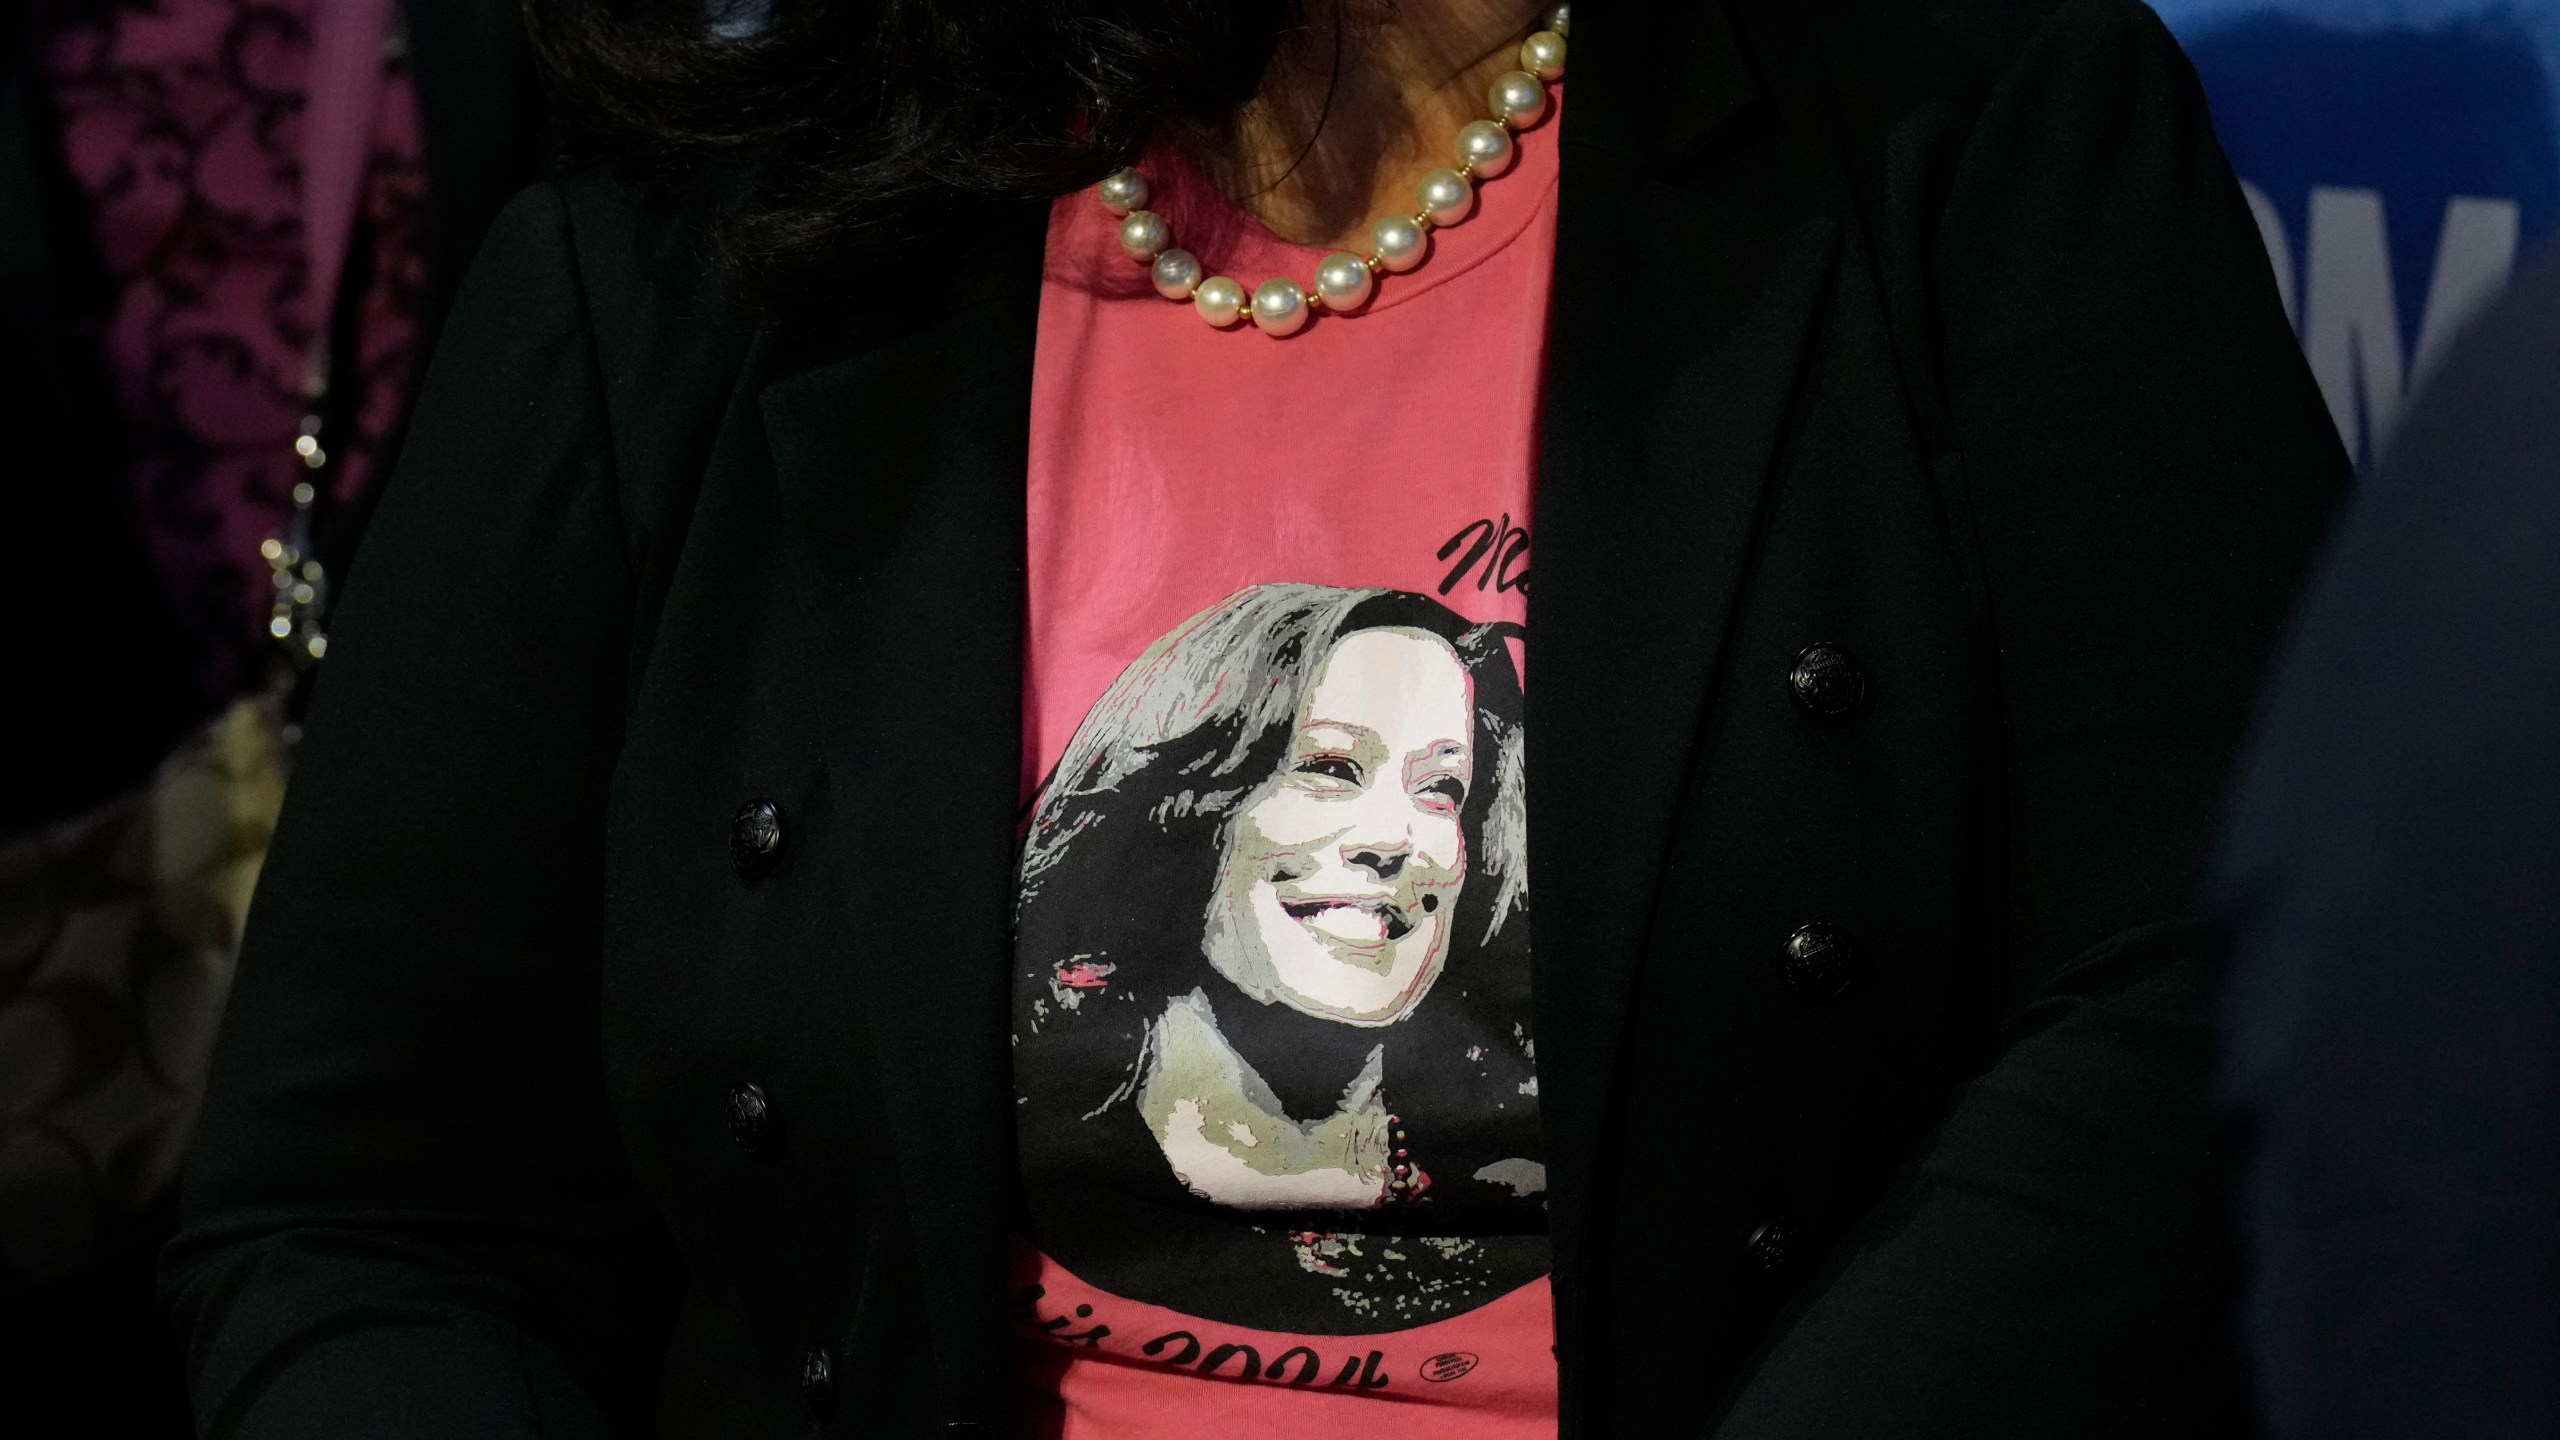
1397, 243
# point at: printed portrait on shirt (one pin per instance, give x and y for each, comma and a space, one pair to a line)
1274, 924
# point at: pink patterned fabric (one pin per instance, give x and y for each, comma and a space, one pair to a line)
181, 122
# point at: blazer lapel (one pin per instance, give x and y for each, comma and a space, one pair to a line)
901, 468
1681, 317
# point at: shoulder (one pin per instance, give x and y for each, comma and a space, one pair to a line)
1903, 83
2438, 583
1965, 132
592, 274
1949, 47
642, 260
640, 245
620, 257
630, 245
628, 263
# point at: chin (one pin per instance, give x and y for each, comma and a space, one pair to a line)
1382, 1000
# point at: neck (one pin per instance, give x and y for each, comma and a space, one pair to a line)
1360, 101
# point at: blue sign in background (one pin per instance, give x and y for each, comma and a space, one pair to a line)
2401, 156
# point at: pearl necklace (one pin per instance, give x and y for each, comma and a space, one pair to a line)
1397, 243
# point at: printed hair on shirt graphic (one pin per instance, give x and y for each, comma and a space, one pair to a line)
1273, 917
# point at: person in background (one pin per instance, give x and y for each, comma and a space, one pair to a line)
2392, 888
228, 232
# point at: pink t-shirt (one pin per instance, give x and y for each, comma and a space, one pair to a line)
1276, 1083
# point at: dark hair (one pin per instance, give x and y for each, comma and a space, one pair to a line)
835, 128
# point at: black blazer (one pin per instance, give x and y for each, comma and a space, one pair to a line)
1938, 333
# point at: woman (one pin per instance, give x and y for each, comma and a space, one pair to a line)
1918, 465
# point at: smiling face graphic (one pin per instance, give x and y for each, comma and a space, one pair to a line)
1340, 876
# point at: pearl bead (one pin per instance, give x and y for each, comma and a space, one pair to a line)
1486, 148
1344, 280
1219, 301
1177, 273
1397, 242
1517, 98
1279, 307
1123, 191
1143, 234
1446, 197
1542, 55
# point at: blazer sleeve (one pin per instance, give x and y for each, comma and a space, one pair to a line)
409, 1214
2149, 470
